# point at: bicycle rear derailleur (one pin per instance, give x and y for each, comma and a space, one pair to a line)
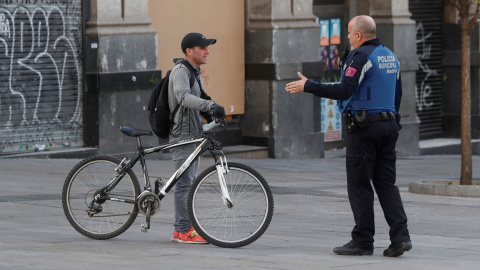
148, 204
95, 206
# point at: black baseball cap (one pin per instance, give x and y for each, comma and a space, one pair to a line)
195, 39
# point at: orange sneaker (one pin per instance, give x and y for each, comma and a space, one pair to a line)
190, 237
175, 236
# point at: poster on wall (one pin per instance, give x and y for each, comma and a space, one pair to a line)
334, 58
330, 40
331, 120
335, 31
324, 33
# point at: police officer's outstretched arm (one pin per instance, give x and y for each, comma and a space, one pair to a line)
297, 86
337, 91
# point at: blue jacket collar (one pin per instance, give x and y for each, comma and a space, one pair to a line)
374, 42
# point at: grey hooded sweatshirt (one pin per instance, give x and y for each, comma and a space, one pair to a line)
187, 120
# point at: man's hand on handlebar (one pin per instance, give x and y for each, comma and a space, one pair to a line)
208, 116
216, 122
218, 111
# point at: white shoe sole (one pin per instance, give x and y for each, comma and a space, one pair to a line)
190, 242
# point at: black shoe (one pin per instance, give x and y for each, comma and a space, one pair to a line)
397, 248
352, 249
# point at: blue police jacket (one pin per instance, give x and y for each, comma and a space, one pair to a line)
370, 81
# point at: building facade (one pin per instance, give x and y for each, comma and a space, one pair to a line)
73, 71
41, 75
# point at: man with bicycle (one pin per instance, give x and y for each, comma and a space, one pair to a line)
194, 106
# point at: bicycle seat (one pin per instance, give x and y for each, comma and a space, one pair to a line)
134, 132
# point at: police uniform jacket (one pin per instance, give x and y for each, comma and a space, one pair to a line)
370, 81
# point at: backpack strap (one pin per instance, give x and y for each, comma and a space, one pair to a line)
207, 115
192, 73
192, 81
194, 77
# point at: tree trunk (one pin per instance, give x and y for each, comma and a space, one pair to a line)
466, 130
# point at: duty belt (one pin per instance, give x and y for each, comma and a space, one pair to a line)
382, 116
361, 119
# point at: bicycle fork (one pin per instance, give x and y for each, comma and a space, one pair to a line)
222, 170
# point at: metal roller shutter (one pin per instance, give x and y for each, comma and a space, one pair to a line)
41, 102
428, 15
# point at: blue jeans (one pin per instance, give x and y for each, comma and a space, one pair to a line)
179, 155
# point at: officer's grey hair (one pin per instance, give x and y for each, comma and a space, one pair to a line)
365, 25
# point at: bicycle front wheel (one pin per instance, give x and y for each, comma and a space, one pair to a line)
94, 218
231, 226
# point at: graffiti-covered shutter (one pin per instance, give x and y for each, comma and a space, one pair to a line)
428, 15
40, 75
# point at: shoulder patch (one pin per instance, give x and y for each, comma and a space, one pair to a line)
350, 71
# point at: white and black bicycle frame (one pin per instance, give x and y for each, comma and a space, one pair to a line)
205, 142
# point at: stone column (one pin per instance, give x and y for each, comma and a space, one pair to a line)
120, 71
397, 32
362, 7
281, 38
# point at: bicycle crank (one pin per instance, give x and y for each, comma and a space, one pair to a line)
148, 204
145, 226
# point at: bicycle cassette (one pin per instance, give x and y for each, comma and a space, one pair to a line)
148, 199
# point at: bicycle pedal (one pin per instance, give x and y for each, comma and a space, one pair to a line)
143, 227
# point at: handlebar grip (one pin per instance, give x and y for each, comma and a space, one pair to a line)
210, 126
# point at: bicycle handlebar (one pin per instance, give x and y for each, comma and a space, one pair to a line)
215, 123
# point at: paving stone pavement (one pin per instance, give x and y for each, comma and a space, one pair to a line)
312, 216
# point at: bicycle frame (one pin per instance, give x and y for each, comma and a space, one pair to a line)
206, 142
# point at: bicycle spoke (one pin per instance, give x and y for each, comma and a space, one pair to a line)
236, 226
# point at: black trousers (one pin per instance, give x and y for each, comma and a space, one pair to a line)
371, 160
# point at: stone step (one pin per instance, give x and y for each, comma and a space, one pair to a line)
446, 146
66, 153
238, 151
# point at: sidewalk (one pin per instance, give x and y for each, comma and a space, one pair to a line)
312, 216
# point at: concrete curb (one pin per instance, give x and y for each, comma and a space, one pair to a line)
444, 146
67, 153
472, 191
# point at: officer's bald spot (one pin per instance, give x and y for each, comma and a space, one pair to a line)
365, 25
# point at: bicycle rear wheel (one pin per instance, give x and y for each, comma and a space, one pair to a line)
99, 219
235, 226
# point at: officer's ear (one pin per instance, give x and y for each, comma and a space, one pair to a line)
359, 35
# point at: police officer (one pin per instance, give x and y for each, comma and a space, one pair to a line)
369, 96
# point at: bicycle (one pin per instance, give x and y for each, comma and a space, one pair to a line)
230, 204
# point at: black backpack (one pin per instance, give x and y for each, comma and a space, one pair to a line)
160, 118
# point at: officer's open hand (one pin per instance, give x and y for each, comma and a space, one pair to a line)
296, 86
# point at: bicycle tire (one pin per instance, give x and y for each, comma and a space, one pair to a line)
89, 176
239, 225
